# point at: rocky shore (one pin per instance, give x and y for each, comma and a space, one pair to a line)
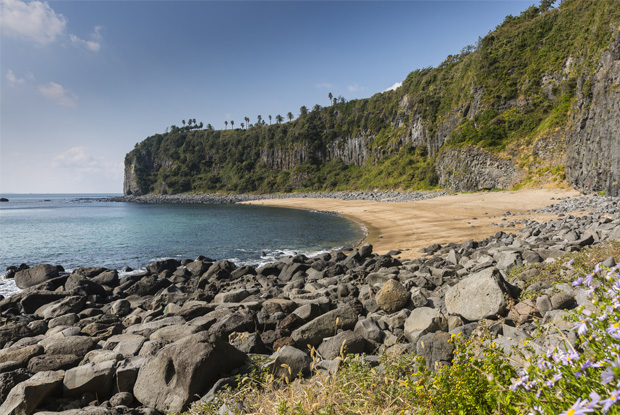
91, 343
214, 199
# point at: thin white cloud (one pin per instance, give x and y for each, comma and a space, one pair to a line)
94, 44
13, 80
35, 21
38, 22
55, 92
80, 160
394, 87
75, 157
356, 88
324, 85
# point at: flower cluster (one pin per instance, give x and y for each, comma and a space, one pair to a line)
584, 377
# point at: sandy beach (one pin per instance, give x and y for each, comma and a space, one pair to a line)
410, 226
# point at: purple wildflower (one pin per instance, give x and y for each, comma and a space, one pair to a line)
578, 281
580, 407
613, 399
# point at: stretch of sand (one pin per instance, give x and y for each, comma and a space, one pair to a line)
410, 226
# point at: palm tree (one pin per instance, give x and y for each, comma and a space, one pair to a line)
303, 110
270, 120
226, 122
232, 124
209, 127
260, 118
183, 122
279, 118
247, 121
242, 125
289, 116
331, 96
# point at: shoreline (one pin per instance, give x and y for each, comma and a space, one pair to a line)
410, 226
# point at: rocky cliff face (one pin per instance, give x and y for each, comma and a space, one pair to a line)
593, 143
470, 168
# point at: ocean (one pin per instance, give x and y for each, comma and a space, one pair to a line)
77, 230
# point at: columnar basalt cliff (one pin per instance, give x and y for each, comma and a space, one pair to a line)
482, 119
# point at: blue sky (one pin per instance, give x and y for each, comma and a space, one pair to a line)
83, 81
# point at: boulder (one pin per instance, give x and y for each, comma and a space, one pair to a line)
326, 325
91, 377
562, 301
21, 355
234, 296
127, 372
424, 320
9, 379
72, 304
26, 396
346, 342
436, 349
36, 275
73, 345
289, 362
32, 301
392, 297
170, 380
488, 289
524, 312
107, 278
53, 362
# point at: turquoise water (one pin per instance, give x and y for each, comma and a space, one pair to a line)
80, 230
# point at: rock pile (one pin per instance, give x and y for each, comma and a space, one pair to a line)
207, 198
91, 343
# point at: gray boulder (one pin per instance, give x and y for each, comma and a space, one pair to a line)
36, 275
424, 320
9, 379
26, 396
479, 296
53, 362
170, 380
91, 377
436, 349
346, 342
326, 325
21, 355
289, 362
72, 304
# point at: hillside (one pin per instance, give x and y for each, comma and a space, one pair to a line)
536, 100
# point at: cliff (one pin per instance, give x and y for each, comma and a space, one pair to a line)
537, 99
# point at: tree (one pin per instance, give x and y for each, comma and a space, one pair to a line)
242, 125
226, 122
279, 118
289, 116
247, 121
183, 122
331, 96
200, 125
303, 110
270, 120
260, 119
232, 124
316, 108
209, 127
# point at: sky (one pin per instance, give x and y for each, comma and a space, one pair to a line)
83, 81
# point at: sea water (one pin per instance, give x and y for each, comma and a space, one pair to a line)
85, 230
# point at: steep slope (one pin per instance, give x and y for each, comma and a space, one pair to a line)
536, 99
